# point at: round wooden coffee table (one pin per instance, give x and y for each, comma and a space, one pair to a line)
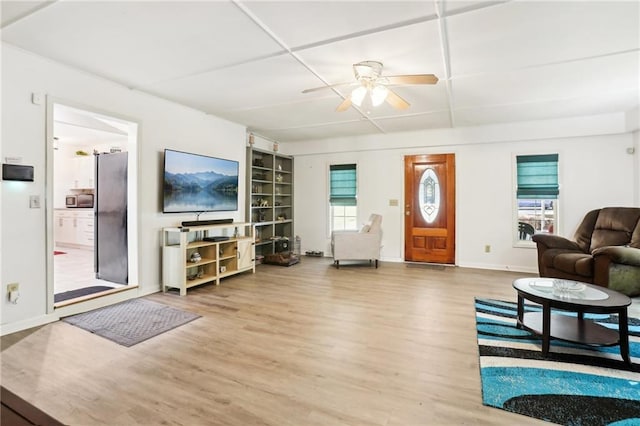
585, 298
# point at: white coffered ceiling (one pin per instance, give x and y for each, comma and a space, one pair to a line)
248, 61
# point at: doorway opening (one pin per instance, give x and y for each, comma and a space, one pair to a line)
92, 161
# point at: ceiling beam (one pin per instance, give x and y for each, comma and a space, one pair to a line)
295, 56
446, 57
29, 12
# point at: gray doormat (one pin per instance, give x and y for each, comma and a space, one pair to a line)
85, 291
131, 322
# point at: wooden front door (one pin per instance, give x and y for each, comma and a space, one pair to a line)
429, 230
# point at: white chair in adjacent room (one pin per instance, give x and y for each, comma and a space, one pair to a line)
358, 245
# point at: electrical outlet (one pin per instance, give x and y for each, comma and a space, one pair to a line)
487, 248
36, 98
12, 292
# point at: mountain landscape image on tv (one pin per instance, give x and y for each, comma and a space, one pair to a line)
198, 183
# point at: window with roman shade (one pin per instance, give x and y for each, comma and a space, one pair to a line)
537, 176
537, 190
343, 190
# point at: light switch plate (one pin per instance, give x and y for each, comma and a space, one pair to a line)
34, 201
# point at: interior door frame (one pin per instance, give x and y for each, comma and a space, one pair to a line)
133, 216
406, 201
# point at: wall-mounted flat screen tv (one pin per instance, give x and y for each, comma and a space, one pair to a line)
198, 183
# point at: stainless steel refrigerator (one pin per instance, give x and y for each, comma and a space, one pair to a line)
111, 253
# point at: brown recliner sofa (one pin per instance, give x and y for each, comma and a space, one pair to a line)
606, 251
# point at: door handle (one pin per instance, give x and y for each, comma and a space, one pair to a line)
408, 213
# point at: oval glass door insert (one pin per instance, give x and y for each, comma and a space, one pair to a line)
429, 195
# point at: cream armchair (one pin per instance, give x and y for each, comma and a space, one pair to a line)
358, 245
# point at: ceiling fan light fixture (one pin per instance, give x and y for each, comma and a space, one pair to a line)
367, 70
358, 94
378, 94
371, 82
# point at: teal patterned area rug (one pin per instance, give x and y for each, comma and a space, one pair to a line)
575, 385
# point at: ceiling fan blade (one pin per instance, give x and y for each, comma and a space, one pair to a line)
395, 100
344, 105
412, 79
330, 86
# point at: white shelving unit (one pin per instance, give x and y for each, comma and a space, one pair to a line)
217, 259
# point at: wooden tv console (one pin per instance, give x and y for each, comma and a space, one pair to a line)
220, 258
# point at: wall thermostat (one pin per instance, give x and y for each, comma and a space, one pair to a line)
17, 172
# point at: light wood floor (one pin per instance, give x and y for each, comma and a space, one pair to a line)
304, 345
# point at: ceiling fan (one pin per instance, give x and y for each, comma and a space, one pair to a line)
369, 80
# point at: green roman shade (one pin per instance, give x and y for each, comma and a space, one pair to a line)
343, 186
537, 176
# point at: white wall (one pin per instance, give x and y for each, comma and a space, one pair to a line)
162, 125
595, 171
633, 125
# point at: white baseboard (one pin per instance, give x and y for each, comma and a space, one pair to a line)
509, 268
28, 323
74, 309
490, 267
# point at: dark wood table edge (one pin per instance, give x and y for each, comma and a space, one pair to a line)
16, 411
580, 308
